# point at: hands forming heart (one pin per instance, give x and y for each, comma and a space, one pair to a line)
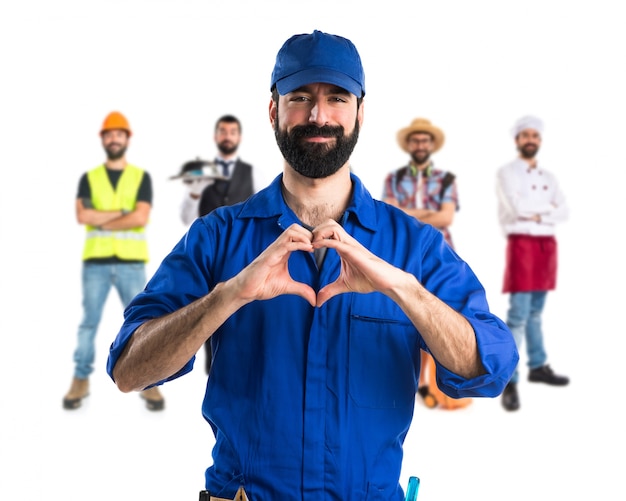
361, 271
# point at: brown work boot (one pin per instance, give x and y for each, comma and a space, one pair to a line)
78, 391
154, 399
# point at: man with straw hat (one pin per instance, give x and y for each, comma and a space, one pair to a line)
419, 189
430, 195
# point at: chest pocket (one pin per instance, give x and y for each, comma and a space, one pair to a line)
383, 354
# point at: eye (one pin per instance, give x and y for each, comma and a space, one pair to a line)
299, 98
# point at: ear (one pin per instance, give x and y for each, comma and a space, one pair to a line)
273, 111
360, 113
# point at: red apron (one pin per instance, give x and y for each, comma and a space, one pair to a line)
531, 263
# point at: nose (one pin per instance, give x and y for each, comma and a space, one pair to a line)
319, 113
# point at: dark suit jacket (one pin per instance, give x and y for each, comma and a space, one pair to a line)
237, 189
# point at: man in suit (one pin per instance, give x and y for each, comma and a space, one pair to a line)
237, 183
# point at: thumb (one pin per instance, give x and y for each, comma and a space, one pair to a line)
329, 291
302, 290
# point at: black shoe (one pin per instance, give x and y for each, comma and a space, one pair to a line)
510, 398
429, 399
545, 374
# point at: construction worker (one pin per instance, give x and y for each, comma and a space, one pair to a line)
114, 202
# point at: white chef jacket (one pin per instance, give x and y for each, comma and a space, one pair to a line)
523, 192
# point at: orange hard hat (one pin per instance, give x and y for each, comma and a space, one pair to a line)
115, 120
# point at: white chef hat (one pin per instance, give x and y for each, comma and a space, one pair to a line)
527, 122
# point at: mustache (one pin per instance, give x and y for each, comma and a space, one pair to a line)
301, 131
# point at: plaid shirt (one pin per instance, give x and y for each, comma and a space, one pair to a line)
402, 185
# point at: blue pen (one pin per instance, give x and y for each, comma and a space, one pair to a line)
411, 492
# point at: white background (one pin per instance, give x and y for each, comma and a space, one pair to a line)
173, 67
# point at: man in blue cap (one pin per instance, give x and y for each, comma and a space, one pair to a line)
317, 300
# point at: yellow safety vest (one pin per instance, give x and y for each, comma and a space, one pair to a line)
129, 244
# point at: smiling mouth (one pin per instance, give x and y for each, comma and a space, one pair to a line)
318, 139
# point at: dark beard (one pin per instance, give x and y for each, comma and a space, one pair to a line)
315, 160
114, 155
420, 160
225, 149
528, 153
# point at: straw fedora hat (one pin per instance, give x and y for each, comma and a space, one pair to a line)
421, 125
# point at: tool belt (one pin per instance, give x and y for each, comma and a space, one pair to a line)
239, 496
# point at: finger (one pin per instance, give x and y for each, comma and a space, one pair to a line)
329, 229
292, 239
298, 232
279, 252
329, 291
331, 243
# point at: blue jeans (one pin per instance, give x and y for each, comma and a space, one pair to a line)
128, 278
524, 320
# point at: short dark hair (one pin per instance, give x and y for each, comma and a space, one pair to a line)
229, 119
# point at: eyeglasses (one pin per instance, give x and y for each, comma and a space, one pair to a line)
420, 140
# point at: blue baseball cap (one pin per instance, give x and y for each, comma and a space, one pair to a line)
318, 57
